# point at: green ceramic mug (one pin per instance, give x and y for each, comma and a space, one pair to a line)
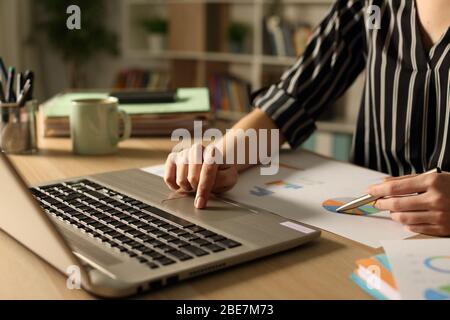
94, 126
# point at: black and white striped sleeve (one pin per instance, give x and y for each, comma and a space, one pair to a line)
333, 59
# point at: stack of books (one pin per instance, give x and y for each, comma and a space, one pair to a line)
147, 119
285, 39
142, 79
229, 94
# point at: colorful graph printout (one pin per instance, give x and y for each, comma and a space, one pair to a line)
332, 205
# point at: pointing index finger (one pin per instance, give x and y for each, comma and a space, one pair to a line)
207, 178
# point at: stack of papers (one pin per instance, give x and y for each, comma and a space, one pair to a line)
374, 276
411, 269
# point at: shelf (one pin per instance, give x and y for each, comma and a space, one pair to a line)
276, 60
244, 2
241, 58
194, 55
301, 2
165, 2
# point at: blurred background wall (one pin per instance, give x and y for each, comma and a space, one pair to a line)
230, 46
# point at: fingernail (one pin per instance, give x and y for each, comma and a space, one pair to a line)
200, 202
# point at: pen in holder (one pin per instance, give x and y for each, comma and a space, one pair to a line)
18, 134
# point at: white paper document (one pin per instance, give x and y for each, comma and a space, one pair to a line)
421, 268
308, 188
157, 170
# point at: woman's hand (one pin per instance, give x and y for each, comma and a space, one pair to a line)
194, 170
424, 205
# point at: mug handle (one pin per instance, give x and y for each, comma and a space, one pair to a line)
127, 125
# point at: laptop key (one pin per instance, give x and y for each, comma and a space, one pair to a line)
141, 205
214, 248
207, 233
132, 254
179, 232
103, 228
195, 250
148, 218
70, 197
96, 195
169, 217
179, 255
93, 185
152, 265
152, 254
217, 238
168, 227
112, 233
124, 228
154, 242
196, 228
116, 223
165, 248
49, 187
139, 224
201, 242
140, 247
158, 233
142, 260
148, 228
51, 201
159, 223
97, 225
180, 243
189, 237
135, 233
168, 238
229, 243
143, 237
165, 261
139, 214
113, 244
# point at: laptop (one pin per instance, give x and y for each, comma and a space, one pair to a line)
126, 232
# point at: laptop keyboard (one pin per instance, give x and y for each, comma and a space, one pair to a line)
153, 236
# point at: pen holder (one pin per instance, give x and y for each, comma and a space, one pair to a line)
18, 134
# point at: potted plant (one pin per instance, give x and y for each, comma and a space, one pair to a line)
157, 29
237, 34
76, 47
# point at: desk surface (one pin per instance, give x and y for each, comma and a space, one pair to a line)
318, 270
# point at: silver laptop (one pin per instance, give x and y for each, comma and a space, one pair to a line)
126, 232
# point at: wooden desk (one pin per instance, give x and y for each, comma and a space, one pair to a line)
318, 270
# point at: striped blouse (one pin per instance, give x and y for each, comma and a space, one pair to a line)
403, 122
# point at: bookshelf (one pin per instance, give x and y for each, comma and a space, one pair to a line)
254, 11
192, 60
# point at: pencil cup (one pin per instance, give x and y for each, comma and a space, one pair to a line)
18, 133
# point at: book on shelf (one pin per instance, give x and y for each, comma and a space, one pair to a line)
142, 79
284, 39
229, 93
147, 119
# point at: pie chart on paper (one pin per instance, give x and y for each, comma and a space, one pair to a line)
332, 205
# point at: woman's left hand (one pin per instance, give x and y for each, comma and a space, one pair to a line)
422, 203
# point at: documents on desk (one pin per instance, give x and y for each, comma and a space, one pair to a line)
308, 188
421, 268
